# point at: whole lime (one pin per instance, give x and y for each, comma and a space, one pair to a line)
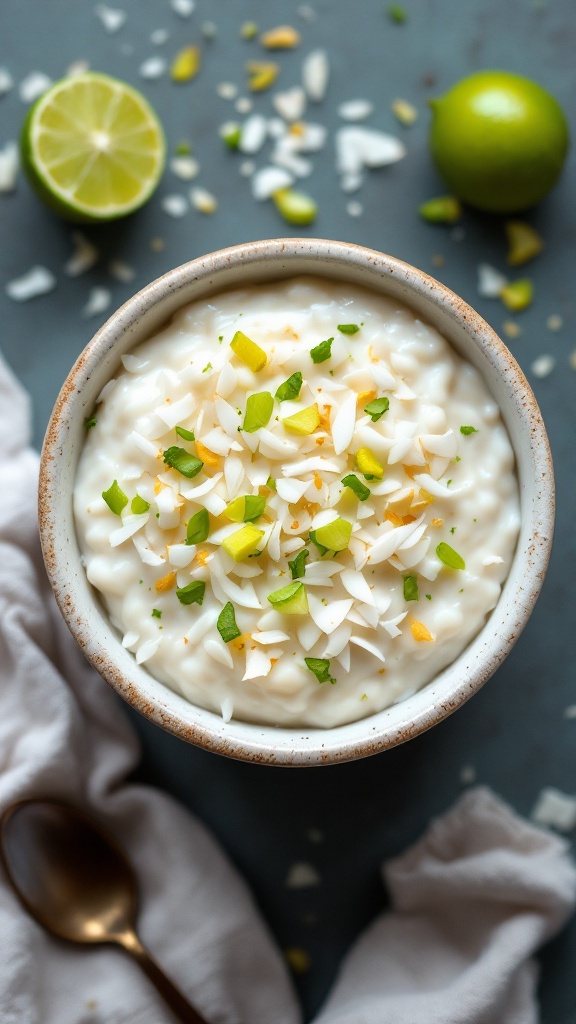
498, 140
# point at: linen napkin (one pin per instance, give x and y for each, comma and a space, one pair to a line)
471, 902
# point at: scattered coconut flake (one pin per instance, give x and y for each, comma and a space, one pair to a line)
257, 663
183, 7
490, 281
254, 132
358, 147
180, 555
492, 560
175, 205
112, 18
356, 586
328, 616
316, 463
130, 638
556, 809
371, 648
218, 651
354, 208
468, 775
306, 12
308, 633
355, 110
227, 90
6, 81
147, 650
543, 366
83, 258
434, 487
391, 625
142, 442
9, 164
554, 322
98, 300
302, 876
315, 75
570, 711
344, 423
130, 525
121, 271
159, 36
185, 167
247, 168
292, 490
152, 68
147, 556
38, 281
174, 413
270, 636
268, 180
33, 86
203, 200
227, 709
290, 104
227, 380
339, 639
352, 182
106, 390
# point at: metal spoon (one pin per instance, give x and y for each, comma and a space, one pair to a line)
77, 882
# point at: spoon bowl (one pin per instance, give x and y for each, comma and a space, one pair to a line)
75, 880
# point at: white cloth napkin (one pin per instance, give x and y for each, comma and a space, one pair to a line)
471, 901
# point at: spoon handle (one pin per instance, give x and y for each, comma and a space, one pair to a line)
170, 994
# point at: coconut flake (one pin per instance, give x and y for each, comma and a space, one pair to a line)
371, 648
445, 445
33, 86
147, 650
98, 300
315, 75
227, 381
244, 596
253, 135
391, 625
6, 81
290, 104
172, 414
344, 424
437, 489
83, 258
292, 490
130, 638
186, 168
233, 475
308, 633
257, 663
130, 525
270, 636
356, 586
112, 18
543, 366
121, 271
184, 8
203, 200
556, 809
9, 164
218, 650
355, 110
143, 444
328, 616
38, 281
314, 464
227, 417
147, 556
490, 281
269, 180
218, 442
338, 641
180, 555
175, 205
390, 540
193, 493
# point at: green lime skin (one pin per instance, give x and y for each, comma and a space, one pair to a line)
499, 141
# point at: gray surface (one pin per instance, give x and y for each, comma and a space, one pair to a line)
514, 732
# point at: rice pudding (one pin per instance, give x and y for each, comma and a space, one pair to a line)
297, 502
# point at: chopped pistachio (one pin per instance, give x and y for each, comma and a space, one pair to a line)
291, 600
115, 498
295, 207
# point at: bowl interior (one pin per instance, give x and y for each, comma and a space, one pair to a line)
469, 335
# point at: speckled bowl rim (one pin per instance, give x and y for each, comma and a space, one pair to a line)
268, 260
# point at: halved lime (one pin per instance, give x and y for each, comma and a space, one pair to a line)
93, 148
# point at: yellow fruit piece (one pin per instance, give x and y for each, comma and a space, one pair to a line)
304, 422
364, 397
186, 64
165, 583
282, 38
524, 242
518, 295
420, 632
208, 458
368, 464
261, 75
499, 141
93, 148
243, 543
248, 352
404, 112
401, 503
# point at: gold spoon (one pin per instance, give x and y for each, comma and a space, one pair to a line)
77, 882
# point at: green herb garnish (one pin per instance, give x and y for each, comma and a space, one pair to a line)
115, 498
360, 490
321, 669
258, 411
320, 353
207, 367
192, 593
139, 505
290, 388
246, 508
271, 483
468, 430
198, 527
377, 408
226, 623
397, 14
298, 564
187, 435
181, 460
449, 557
348, 328
90, 422
156, 613
410, 588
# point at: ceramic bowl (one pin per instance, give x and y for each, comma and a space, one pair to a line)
471, 337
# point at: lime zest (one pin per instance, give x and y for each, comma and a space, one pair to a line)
468, 430
518, 295
115, 498
226, 623
441, 210
182, 461
258, 411
192, 593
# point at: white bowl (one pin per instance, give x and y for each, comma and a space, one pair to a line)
470, 336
